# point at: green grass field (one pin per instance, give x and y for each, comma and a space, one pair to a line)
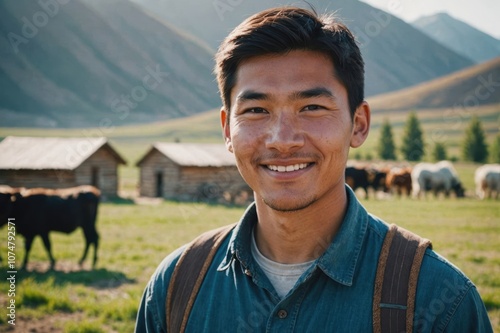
135, 238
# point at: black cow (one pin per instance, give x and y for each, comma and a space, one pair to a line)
365, 178
39, 211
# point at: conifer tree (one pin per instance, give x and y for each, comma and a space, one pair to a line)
439, 152
474, 147
413, 141
495, 150
386, 149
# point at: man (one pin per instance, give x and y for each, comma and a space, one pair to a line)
304, 256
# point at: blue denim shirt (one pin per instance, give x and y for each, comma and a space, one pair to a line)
334, 295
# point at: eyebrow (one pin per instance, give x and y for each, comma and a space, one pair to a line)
251, 95
303, 94
314, 92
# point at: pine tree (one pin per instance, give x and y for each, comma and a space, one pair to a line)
413, 141
439, 152
386, 149
474, 147
495, 150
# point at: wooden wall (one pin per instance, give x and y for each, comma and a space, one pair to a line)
107, 172
106, 176
188, 183
38, 178
154, 164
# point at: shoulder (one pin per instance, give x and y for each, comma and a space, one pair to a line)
163, 273
151, 314
447, 299
377, 227
152, 311
437, 274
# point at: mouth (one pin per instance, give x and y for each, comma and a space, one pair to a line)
288, 168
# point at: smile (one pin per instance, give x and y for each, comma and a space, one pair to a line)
287, 168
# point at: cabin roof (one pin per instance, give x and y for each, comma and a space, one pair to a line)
193, 154
43, 153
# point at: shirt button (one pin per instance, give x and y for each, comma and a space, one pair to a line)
282, 314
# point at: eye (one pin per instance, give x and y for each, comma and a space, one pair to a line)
312, 107
255, 110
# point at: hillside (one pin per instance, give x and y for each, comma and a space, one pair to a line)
90, 63
459, 37
396, 54
468, 88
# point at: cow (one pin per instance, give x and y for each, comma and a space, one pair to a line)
438, 177
487, 179
39, 211
6, 193
364, 178
399, 180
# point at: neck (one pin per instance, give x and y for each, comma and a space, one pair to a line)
298, 236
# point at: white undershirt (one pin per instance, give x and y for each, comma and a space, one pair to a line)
282, 276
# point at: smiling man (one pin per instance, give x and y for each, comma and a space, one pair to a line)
306, 256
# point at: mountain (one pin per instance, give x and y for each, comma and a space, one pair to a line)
459, 37
462, 90
396, 54
90, 63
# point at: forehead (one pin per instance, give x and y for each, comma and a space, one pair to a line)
286, 73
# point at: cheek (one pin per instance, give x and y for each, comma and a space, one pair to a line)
331, 133
243, 142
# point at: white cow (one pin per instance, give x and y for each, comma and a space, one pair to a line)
487, 179
441, 176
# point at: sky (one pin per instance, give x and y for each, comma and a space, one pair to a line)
481, 14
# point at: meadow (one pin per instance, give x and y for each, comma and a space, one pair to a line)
136, 237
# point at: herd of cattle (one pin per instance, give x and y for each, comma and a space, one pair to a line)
39, 211
416, 181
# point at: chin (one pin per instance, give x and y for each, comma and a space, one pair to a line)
289, 205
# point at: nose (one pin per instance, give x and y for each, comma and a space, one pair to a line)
285, 133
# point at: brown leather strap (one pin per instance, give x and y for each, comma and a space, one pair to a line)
396, 280
188, 276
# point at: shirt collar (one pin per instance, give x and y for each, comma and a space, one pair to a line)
338, 261
240, 241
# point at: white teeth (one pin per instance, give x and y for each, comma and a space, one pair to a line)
288, 168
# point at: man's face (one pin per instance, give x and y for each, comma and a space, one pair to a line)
290, 129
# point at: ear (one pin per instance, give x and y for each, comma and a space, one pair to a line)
361, 125
226, 132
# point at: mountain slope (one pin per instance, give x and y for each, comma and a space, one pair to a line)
97, 64
468, 88
396, 54
459, 37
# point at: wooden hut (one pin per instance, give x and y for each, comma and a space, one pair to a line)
59, 162
190, 172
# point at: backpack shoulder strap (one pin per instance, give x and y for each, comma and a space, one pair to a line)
396, 280
188, 275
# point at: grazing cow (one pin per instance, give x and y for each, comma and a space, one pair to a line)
487, 179
39, 211
399, 180
441, 176
365, 178
6, 193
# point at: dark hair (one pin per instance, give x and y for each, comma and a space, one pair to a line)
284, 29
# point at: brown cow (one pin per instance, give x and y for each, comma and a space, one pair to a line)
399, 180
359, 177
39, 211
